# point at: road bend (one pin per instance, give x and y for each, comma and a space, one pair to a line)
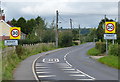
72, 63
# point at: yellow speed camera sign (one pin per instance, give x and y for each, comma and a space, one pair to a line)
15, 32
110, 27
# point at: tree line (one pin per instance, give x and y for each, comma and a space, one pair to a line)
37, 30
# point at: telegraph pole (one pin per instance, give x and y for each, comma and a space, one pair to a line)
71, 23
56, 37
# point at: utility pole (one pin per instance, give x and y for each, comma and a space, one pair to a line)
56, 37
79, 33
71, 23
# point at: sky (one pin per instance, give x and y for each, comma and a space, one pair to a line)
87, 13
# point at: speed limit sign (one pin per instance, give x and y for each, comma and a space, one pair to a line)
110, 27
15, 33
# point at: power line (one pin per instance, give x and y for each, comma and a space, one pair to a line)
62, 18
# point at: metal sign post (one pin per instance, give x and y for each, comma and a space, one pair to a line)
110, 30
106, 47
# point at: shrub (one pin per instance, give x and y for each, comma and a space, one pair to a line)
19, 51
101, 46
65, 39
75, 43
114, 50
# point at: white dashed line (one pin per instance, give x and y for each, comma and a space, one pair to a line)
42, 67
72, 72
76, 75
92, 78
64, 67
42, 72
46, 76
67, 69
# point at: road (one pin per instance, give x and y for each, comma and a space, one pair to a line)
72, 63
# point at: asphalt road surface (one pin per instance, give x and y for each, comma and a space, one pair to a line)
72, 63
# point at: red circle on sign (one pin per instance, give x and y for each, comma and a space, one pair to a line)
18, 33
112, 28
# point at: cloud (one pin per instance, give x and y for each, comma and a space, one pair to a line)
61, 0
85, 13
48, 8
45, 8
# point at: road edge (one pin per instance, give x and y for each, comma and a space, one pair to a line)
33, 64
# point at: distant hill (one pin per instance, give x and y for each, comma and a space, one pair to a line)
85, 31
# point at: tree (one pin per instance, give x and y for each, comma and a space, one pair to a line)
30, 25
14, 22
22, 23
65, 38
101, 29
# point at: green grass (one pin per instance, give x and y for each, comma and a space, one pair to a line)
93, 52
111, 61
2, 44
12, 60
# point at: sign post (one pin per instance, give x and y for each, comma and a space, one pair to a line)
110, 30
15, 34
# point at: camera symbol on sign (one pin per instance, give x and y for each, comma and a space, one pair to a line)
110, 27
15, 32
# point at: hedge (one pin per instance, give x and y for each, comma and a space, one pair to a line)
101, 46
114, 50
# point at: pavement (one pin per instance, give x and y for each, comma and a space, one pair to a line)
70, 63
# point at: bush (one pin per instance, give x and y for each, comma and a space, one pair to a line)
114, 50
93, 52
101, 46
28, 41
75, 43
20, 51
65, 39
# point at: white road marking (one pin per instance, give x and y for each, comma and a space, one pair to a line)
72, 72
41, 64
64, 67
42, 72
63, 64
46, 76
83, 79
67, 69
43, 60
92, 78
50, 60
41, 67
77, 75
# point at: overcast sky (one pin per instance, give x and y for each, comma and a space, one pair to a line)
87, 14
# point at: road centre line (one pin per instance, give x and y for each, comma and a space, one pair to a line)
92, 78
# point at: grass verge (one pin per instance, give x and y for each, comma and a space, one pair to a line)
10, 62
110, 60
93, 52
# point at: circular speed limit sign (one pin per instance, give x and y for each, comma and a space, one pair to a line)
15, 33
110, 27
